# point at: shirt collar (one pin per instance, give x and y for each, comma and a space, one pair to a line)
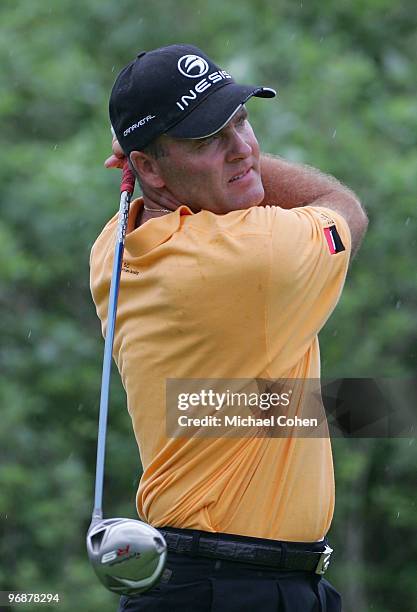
154, 232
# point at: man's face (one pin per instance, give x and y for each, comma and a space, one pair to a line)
220, 173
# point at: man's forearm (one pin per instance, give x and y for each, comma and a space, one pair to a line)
290, 185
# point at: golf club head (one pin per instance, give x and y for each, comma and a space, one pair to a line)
127, 555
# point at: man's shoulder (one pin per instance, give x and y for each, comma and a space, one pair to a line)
104, 241
257, 219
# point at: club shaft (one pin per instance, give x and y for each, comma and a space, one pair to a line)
108, 353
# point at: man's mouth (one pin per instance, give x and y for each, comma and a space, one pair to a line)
239, 176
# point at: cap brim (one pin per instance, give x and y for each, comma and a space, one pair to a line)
215, 111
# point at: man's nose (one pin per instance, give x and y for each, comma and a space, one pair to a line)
239, 148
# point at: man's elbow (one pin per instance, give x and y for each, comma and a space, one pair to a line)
358, 228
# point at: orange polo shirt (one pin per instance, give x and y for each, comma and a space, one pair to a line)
240, 295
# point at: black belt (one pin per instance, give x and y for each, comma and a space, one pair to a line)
271, 553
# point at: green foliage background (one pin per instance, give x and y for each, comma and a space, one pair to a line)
346, 74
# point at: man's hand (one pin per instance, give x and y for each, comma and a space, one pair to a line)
162, 198
118, 158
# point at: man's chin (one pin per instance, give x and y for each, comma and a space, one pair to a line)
253, 197
247, 199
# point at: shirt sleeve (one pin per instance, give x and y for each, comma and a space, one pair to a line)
310, 253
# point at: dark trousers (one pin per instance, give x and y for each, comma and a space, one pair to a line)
194, 584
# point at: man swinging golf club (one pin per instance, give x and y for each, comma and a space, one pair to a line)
233, 263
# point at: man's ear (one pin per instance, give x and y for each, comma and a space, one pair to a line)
148, 169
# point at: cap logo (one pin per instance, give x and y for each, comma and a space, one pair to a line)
192, 66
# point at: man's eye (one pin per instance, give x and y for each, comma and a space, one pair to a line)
207, 141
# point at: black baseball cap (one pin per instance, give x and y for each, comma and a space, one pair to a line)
176, 90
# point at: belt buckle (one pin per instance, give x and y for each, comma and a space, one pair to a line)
324, 560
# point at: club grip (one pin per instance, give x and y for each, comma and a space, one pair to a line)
128, 179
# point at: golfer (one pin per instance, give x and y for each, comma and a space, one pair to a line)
233, 263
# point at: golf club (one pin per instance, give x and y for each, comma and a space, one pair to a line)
127, 555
